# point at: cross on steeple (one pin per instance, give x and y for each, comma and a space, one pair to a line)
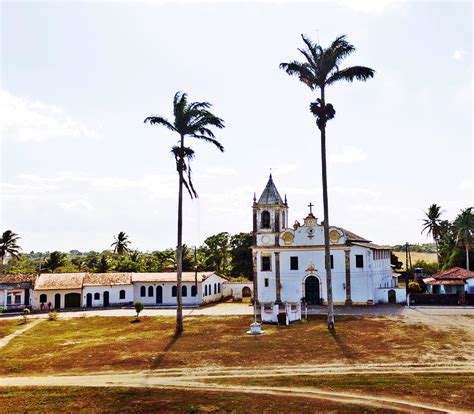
310, 205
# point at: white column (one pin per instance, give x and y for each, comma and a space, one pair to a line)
5, 298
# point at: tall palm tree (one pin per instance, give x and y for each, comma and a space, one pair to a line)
9, 245
319, 70
464, 230
120, 244
432, 225
190, 120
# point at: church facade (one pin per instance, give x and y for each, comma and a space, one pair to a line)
289, 262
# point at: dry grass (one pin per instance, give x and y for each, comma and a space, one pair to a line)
427, 257
453, 390
8, 326
99, 344
149, 400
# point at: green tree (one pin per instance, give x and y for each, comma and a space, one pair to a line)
9, 245
464, 231
190, 120
120, 244
55, 261
432, 225
216, 249
104, 264
241, 255
320, 69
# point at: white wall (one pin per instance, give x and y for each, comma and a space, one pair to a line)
114, 294
236, 288
50, 297
213, 294
168, 299
381, 295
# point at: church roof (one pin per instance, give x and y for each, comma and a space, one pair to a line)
352, 237
270, 195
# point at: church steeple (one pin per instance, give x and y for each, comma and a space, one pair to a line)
270, 195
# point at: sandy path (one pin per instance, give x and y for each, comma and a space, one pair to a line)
189, 378
29, 325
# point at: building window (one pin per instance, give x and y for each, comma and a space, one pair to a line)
174, 291
184, 291
96, 296
17, 299
122, 294
215, 288
194, 290
332, 261
143, 291
294, 263
43, 298
218, 288
9, 299
266, 281
266, 263
359, 260
205, 290
283, 221
150, 291
265, 220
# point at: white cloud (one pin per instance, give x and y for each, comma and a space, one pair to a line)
466, 185
367, 6
76, 205
349, 154
459, 54
29, 120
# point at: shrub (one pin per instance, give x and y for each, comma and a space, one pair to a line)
414, 287
138, 307
53, 316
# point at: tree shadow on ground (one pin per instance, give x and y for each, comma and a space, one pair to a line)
343, 346
162, 355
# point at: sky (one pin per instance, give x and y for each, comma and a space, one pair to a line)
78, 165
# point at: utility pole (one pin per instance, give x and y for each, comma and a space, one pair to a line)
406, 267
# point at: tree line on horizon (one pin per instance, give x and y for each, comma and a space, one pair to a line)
228, 255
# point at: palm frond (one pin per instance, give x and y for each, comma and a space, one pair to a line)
210, 140
159, 120
360, 73
302, 71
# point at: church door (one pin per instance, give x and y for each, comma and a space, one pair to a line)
159, 294
312, 290
89, 300
57, 301
106, 299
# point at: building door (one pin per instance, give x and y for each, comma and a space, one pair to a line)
311, 286
89, 300
72, 300
392, 296
106, 298
159, 294
57, 301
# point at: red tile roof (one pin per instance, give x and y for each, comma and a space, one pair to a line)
454, 273
431, 281
99, 279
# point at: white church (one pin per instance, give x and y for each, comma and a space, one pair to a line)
289, 263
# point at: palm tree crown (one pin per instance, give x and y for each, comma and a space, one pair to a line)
120, 244
9, 245
432, 222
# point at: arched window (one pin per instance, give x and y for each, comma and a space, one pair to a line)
184, 291
194, 290
43, 298
205, 290
215, 288
174, 291
150, 291
265, 220
218, 288
283, 218
122, 294
143, 291
96, 296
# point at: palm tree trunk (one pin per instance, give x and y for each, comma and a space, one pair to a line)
179, 250
327, 251
467, 256
437, 254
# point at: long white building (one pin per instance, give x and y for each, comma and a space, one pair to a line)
289, 262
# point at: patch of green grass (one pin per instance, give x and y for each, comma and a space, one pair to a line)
9, 326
